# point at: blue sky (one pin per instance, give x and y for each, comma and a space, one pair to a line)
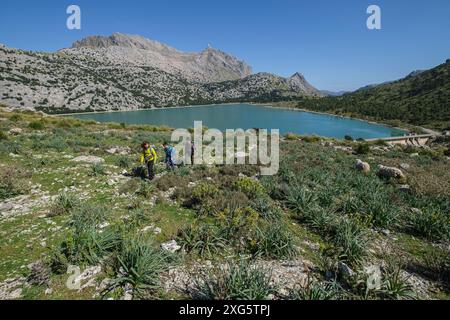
326, 40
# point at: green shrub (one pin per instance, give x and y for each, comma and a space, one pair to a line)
234, 281
237, 223
363, 148
381, 142
312, 139
170, 180
37, 125
3, 135
447, 152
250, 187
15, 118
13, 182
292, 136
55, 143
348, 138
204, 191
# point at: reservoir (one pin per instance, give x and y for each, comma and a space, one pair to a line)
247, 116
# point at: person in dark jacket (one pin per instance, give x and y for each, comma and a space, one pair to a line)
170, 155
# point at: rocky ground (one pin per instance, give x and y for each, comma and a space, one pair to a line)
64, 169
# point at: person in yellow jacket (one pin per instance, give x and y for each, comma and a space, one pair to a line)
148, 157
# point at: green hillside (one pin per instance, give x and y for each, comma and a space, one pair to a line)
422, 99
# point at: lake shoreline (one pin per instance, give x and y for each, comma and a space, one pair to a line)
264, 105
337, 115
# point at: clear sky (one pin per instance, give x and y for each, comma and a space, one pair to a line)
326, 40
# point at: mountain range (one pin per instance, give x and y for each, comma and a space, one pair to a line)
126, 72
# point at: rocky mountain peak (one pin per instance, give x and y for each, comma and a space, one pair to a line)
298, 82
298, 75
209, 65
120, 40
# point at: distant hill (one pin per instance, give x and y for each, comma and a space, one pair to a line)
334, 93
421, 98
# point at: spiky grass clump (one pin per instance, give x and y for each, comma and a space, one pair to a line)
85, 242
395, 285
351, 239
97, 169
123, 162
430, 223
139, 264
234, 281
64, 204
203, 240
273, 241
299, 198
12, 182
266, 209
314, 290
145, 190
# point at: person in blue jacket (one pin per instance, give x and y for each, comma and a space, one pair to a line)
170, 156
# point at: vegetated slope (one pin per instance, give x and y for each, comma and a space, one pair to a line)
422, 98
317, 230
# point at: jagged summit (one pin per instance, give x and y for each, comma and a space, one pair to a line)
298, 82
209, 65
121, 40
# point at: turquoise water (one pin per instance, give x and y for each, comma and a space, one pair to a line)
245, 116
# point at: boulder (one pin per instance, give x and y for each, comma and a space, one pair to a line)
39, 274
152, 228
119, 150
404, 188
374, 277
405, 166
88, 159
171, 246
362, 166
15, 131
4, 207
344, 270
390, 172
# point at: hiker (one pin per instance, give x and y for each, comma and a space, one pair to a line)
170, 154
148, 157
189, 152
